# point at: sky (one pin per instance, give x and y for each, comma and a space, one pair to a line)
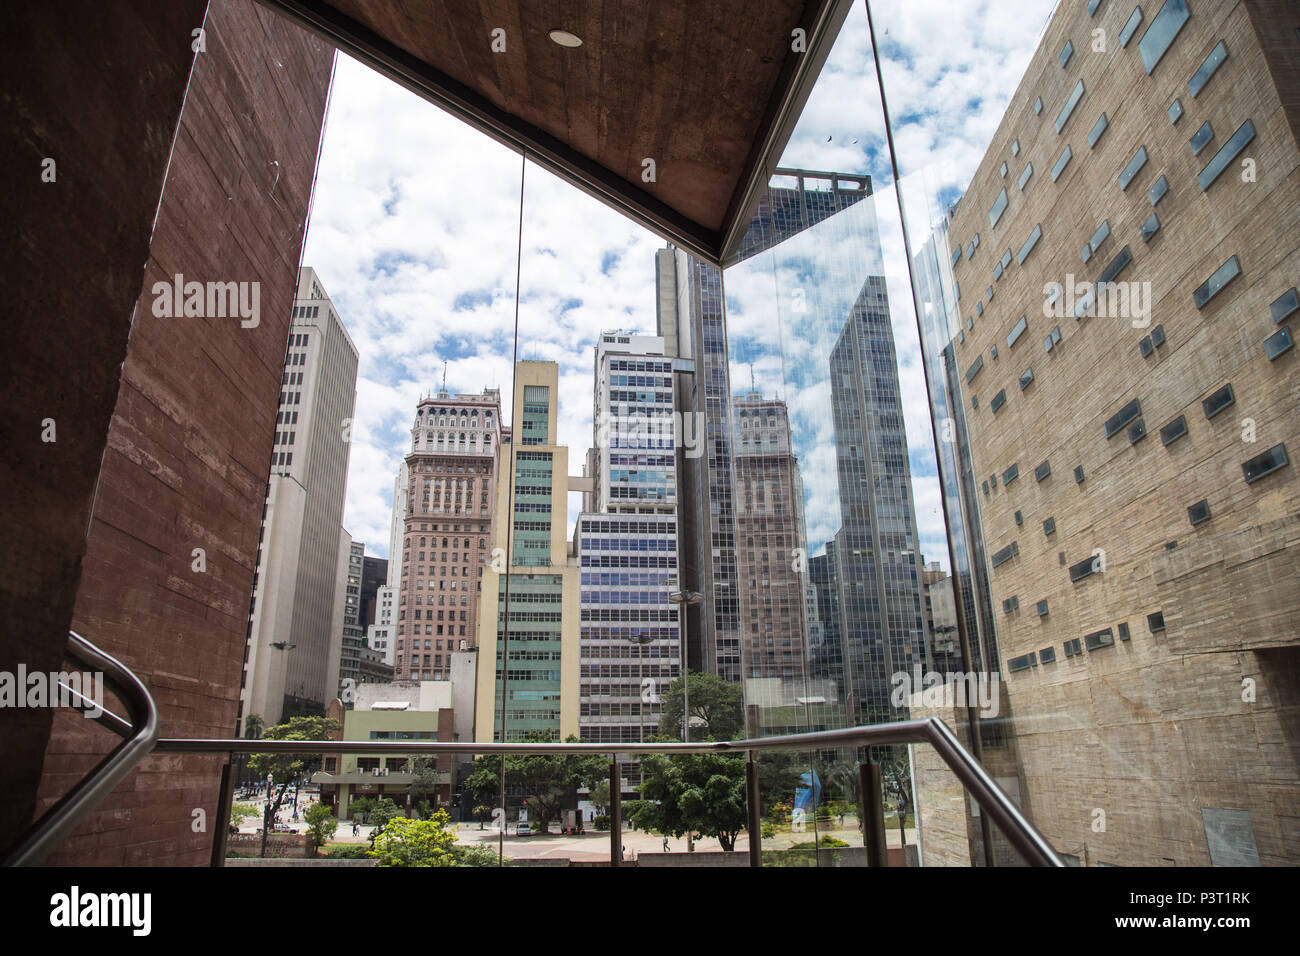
415, 223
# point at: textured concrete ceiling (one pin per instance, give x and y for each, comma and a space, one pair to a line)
707, 89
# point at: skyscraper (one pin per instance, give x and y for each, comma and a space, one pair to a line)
528, 616
772, 552
451, 483
294, 638
691, 320
627, 543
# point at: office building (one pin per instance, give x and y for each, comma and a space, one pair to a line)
626, 542
691, 319
528, 670
1117, 330
451, 485
296, 619
772, 552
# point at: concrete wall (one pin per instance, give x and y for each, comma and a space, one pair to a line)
190, 441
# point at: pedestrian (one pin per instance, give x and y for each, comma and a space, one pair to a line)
665, 842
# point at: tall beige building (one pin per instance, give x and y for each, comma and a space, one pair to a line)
1119, 343
528, 633
295, 625
451, 475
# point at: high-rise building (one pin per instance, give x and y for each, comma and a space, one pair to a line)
691, 319
447, 528
381, 634
626, 541
882, 622
771, 552
1117, 331
294, 638
531, 665
374, 572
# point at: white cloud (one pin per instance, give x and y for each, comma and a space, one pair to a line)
414, 233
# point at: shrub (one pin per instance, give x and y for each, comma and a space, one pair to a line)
356, 851
600, 821
767, 829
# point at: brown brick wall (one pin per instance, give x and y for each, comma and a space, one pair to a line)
190, 441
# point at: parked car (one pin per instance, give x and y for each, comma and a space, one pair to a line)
524, 829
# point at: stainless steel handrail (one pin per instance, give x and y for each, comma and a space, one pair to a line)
1022, 834
57, 823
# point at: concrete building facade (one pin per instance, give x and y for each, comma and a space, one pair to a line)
1118, 335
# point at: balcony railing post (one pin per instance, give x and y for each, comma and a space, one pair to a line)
754, 808
225, 800
615, 814
873, 813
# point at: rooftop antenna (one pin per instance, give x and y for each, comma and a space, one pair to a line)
444, 375
752, 388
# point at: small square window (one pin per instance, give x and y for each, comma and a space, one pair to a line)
1049, 527
1174, 430
1150, 228
1199, 512
1122, 627
1004, 170
1015, 147
1201, 138
1156, 622
1176, 111
999, 400
1020, 519
1264, 464
1278, 344
1284, 305
1078, 475
1145, 346
1158, 336
1136, 432
1027, 376
1158, 190
1038, 105
1218, 401
1217, 281
1042, 471
1042, 608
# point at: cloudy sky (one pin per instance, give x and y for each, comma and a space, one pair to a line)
414, 231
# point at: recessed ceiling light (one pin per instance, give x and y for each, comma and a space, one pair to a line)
565, 38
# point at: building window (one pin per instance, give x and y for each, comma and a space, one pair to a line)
1201, 137
1063, 117
1174, 430
1029, 244
1225, 156
1207, 69
1165, 27
1121, 418
1278, 343
1062, 161
1284, 305
1133, 168
1218, 401
1158, 190
1130, 27
1199, 512
1264, 464
1098, 128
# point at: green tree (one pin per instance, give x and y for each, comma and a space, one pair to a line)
284, 769
483, 811
320, 825
254, 726
424, 779
896, 780
407, 842
600, 795
551, 780
382, 814
240, 812
714, 701
701, 793
359, 808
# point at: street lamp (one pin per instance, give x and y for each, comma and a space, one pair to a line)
684, 599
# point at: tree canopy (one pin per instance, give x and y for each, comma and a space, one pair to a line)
714, 701
550, 780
